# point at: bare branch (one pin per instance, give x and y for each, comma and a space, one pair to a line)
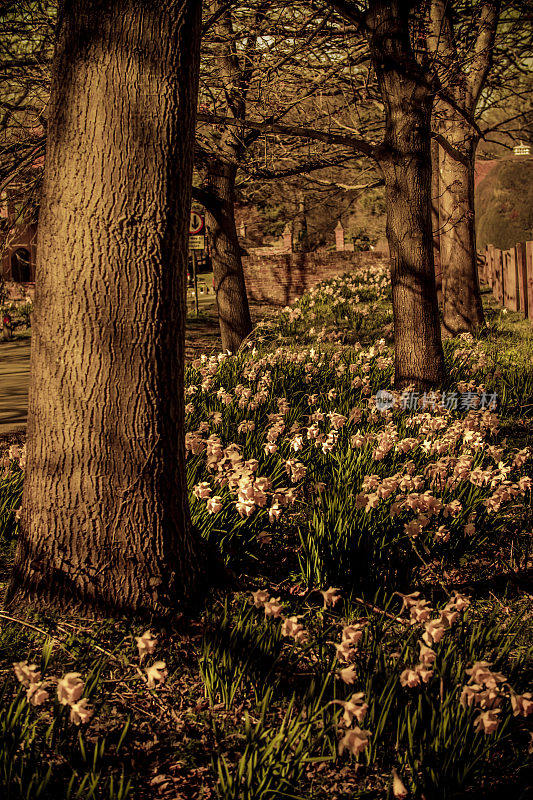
483, 50
359, 145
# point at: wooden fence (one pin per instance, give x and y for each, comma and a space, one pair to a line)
509, 273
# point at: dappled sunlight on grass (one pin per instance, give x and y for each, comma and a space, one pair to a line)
358, 651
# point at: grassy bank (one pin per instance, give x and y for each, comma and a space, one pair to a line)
321, 672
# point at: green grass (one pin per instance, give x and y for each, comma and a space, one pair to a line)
248, 712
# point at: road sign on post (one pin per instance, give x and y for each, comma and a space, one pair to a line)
196, 242
196, 223
195, 280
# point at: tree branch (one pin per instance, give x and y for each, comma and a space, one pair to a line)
444, 94
355, 143
481, 64
348, 9
450, 149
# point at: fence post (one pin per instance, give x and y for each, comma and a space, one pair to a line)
505, 279
499, 269
503, 276
487, 265
511, 280
521, 266
490, 265
481, 265
529, 270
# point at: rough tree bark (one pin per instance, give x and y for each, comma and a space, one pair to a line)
406, 165
230, 288
219, 170
435, 217
105, 518
462, 305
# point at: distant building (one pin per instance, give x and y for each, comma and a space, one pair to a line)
522, 150
18, 225
17, 259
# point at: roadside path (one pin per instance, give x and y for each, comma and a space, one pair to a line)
14, 374
202, 336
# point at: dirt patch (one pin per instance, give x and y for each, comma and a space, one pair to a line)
202, 335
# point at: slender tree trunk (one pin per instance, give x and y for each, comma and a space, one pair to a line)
230, 288
464, 81
406, 165
105, 517
435, 216
235, 70
462, 305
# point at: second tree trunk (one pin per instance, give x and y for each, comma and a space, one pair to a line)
230, 288
462, 306
406, 165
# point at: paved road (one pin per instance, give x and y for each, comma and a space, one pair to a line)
201, 337
14, 373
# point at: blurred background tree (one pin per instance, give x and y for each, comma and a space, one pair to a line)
504, 205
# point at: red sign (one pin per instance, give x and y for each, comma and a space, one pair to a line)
196, 224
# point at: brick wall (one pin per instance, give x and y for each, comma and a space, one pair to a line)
281, 279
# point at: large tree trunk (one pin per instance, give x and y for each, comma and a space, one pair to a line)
406, 165
105, 517
230, 288
462, 305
